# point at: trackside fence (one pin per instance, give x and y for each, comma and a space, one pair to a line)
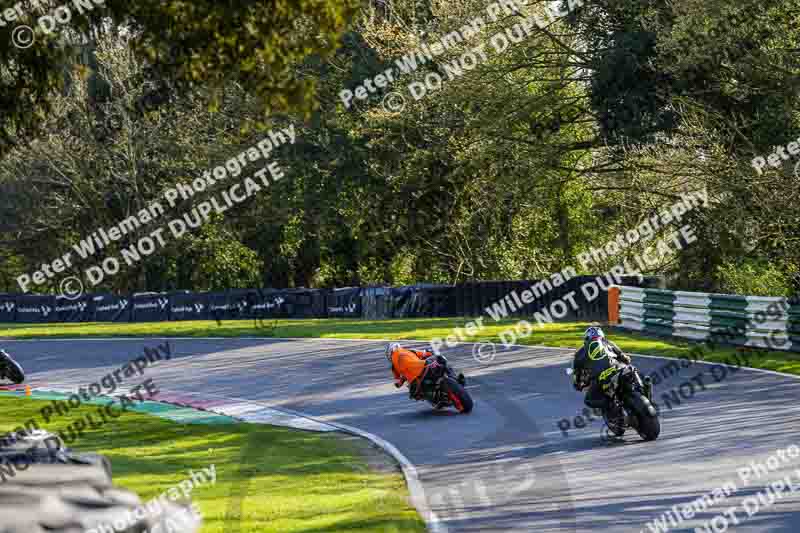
762, 322
432, 301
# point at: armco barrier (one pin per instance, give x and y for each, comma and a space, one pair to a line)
756, 321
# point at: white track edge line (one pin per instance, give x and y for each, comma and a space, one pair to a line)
415, 488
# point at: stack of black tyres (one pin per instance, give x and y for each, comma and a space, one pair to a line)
47, 488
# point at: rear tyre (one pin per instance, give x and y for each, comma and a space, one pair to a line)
649, 427
14, 372
458, 395
647, 417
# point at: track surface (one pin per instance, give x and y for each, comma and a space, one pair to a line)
507, 466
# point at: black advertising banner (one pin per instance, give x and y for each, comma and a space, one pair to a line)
150, 308
78, 310
268, 304
35, 309
8, 308
313, 303
112, 308
225, 306
305, 303
439, 301
189, 306
423, 300
243, 302
319, 300
344, 303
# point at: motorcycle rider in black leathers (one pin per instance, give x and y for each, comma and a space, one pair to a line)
595, 365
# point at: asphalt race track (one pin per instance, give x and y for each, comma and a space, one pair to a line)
507, 466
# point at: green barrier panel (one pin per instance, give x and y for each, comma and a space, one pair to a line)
659, 312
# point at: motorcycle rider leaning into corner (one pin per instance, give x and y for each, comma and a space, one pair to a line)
595, 365
413, 366
10, 369
407, 366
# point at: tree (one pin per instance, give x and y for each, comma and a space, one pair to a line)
103, 161
200, 45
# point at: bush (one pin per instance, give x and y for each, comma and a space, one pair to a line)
757, 279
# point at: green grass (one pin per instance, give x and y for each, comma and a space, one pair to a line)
292, 481
565, 335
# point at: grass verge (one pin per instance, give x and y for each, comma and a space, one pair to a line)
287, 481
563, 335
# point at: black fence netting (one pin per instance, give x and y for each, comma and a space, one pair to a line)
581, 298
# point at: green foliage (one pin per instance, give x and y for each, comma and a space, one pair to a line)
215, 260
569, 137
11, 266
199, 45
757, 279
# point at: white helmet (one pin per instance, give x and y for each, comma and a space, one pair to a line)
390, 349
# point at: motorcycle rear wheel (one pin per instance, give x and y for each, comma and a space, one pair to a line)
13, 371
649, 425
458, 395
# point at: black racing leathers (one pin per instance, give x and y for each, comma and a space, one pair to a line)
594, 365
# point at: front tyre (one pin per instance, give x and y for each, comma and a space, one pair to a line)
614, 424
458, 396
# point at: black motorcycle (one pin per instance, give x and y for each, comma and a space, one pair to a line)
631, 405
442, 388
10, 369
